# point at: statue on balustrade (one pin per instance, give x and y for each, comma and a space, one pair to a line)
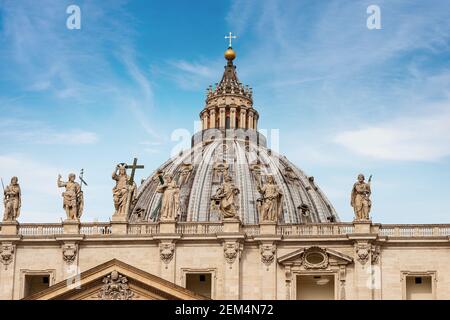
170, 205
226, 195
270, 205
73, 201
12, 200
123, 193
360, 198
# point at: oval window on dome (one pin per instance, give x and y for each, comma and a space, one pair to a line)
315, 258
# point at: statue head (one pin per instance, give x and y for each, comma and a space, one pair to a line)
122, 169
361, 177
14, 180
168, 178
72, 177
270, 179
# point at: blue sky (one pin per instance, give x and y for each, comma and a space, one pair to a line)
346, 99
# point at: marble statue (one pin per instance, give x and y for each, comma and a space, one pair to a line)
12, 200
73, 201
270, 203
227, 197
123, 192
360, 200
170, 205
186, 170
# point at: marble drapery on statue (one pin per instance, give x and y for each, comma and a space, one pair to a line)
73, 201
227, 197
12, 200
360, 198
270, 205
170, 205
123, 193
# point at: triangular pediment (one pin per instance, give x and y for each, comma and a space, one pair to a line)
300, 257
115, 280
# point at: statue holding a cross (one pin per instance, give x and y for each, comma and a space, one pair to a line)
124, 193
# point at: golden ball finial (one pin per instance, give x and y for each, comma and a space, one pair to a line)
230, 54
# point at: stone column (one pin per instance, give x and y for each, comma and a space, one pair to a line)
222, 117
232, 117
250, 120
205, 120
268, 271
242, 120
363, 278
7, 266
232, 250
167, 257
212, 118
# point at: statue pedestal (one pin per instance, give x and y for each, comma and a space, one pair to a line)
268, 227
71, 226
167, 226
10, 228
362, 226
231, 225
119, 224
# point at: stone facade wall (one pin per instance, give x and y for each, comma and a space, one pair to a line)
241, 265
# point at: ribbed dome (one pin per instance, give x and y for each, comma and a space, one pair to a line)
230, 144
242, 154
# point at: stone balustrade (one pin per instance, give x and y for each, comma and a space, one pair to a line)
414, 230
250, 230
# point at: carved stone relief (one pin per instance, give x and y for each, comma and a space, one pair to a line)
115, 287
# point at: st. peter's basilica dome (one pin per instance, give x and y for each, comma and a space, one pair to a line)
230, 145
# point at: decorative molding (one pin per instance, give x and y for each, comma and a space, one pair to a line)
166, 251
375, 251
115, 288
231, 251
268, 253
363, 251
315, 258
69, 252
7, 254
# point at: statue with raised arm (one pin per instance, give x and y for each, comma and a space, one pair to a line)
12, 200
73, 201
227, 197
170, 205
360, 198
123, 192
270, 203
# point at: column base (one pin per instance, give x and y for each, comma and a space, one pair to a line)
268, 227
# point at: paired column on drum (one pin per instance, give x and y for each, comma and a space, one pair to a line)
231, 117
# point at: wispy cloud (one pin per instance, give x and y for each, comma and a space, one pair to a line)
422, 138
191, 75
35, 132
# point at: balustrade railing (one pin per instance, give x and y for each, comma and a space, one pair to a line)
35, 229
414, 230
95, 228
143, 228
199, 227
323, 229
